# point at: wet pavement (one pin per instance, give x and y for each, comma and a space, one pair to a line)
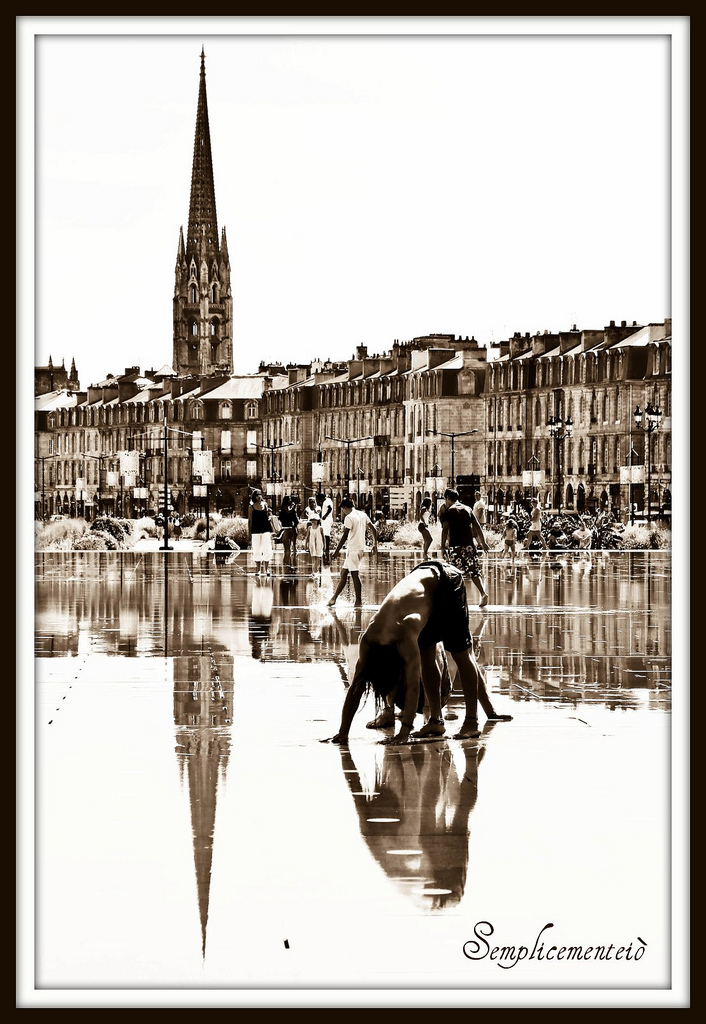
193, 832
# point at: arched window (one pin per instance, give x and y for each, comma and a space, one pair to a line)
226, 411
214, 293
251, 410
194, 328
192, 294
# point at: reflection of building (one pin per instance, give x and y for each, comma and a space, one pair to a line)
203, 714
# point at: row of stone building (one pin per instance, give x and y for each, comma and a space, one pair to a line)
391, 428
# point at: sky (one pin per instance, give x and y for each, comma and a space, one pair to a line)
373, 188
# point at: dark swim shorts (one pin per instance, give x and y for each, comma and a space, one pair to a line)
465, 558
448, 622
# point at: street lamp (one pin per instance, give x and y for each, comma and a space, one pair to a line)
453, 436
348, 442
359, 473
99, 459
556, 424
43, 459
653, 419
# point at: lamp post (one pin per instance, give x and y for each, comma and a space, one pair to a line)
99, 459
43, 459
653, 419
359, 473
453, 435
556, 424
348, 442
165, 515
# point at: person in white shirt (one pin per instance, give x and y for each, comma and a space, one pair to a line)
326, 524
355, 525
479, 509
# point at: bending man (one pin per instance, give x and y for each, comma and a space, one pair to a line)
397, 652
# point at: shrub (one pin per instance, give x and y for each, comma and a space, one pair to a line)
387, 531
406, 535
114, 527
96, 540
146, 527
60, 536
235, 529
640, 537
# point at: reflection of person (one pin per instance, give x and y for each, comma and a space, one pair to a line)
260, 617
326, 524
315, 543
355, 525
422, 804
423, 524
398, 649
260, 530
459, 534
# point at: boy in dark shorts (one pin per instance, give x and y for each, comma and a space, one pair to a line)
398, 653
460, 532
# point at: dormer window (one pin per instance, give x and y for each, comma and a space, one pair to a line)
251, 410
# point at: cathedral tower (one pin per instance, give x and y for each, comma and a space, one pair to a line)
203, 303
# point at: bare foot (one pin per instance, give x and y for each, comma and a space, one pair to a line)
469, 730
434, 727
384, 720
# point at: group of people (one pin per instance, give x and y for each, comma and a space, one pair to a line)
264, 528
424, 617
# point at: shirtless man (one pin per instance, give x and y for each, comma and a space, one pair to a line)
398, 649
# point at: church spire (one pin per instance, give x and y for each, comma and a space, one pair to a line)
202, 301
203, 225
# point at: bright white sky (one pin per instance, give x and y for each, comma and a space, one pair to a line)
372, 189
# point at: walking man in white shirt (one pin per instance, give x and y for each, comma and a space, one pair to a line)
355, 525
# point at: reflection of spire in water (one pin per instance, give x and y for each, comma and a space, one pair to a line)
203, 714
416, 820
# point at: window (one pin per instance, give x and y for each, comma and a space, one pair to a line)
251, 410
225, 441
226, 411
251, 468
192, 293
251, 441
225, 467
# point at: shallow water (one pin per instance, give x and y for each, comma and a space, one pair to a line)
192, 831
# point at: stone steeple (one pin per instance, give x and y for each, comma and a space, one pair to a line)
203, 303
